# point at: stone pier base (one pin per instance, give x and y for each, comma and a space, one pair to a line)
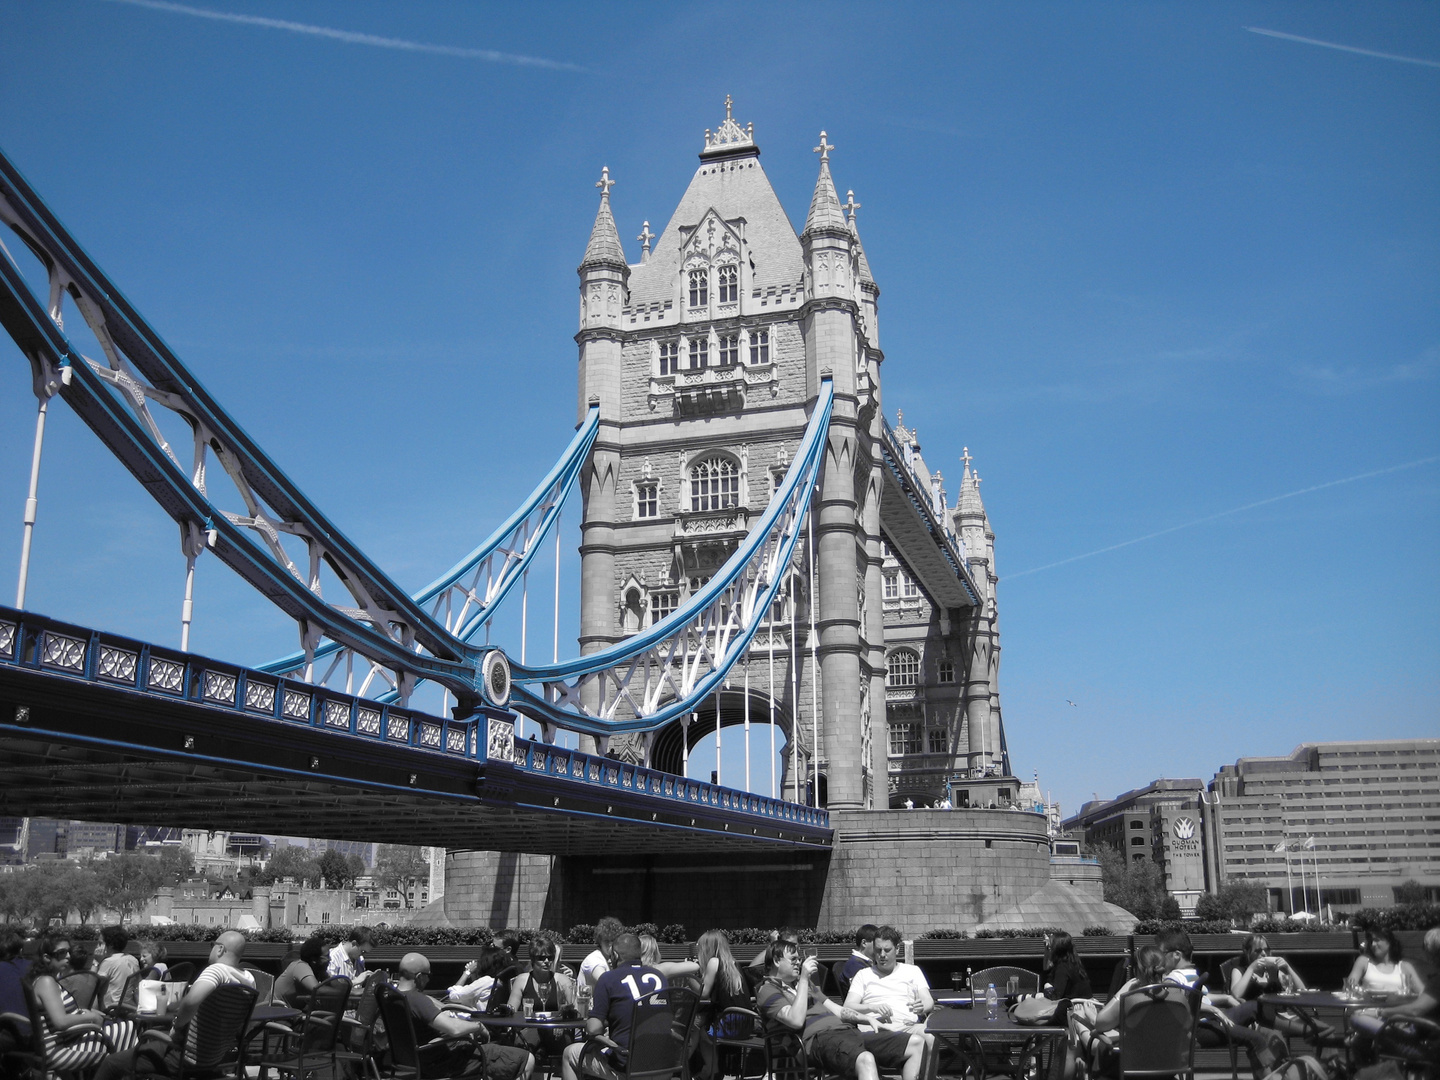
918, 869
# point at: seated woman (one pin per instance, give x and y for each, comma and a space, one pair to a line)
1094, 1032
547, 990
1066, 978
678, 972
301, 976
477, 981
1256, 972
1381, 969
152, 960
58, 1014
1368, 1022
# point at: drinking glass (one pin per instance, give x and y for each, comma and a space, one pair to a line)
528, 1007
1012, 988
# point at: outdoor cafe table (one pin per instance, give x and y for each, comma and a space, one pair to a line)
958, 1027
1312, 1004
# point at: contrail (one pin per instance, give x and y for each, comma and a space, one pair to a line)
1343, 48
353, 37
1225, 513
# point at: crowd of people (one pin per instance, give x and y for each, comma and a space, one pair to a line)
874, 1021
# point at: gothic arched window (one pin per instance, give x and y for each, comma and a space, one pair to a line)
699, 288
903, 668
714, 484
729, 284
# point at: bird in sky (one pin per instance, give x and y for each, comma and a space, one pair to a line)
1069, 702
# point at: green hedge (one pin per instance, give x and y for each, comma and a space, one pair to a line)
1400, 917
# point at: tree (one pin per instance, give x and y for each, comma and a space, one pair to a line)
1136, 886
177, 864
290, 862
128, 881
357, 866
1411, 892
1234, 902
85, 891
397, 865
337, 870
45, 890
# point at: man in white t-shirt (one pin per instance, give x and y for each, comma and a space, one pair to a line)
899, 991
600, 961
224, 969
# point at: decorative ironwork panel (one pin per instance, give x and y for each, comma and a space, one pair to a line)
296, 705
117, 665
594, 771
398, 728
562, 765
219, 687
500, 740
166, 675
430, 736
670, 788
59, 651
7, 640
367, 721
337, 714
577, 768
537, 760
259, 697
455, 740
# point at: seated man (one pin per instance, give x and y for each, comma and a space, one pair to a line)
117, 965
348, 958
1264, 1046
898, 992
223, 970
860, 957
613, 1012
473, 1055
789, 999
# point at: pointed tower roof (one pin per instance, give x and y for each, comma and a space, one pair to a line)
968, 503
604, 247
850, 207
825, 212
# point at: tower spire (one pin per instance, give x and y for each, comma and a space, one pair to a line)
825, 212
604, 246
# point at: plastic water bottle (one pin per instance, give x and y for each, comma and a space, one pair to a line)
992, 1003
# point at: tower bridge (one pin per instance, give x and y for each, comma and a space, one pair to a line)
759, 547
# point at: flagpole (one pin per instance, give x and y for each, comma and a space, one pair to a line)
1284, 848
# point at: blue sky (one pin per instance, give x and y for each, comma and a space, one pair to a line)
1149, 265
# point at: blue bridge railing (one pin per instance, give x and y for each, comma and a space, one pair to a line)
40, 643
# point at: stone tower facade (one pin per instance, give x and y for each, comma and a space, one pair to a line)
705, 359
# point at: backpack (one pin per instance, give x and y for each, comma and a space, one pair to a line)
1036, 1010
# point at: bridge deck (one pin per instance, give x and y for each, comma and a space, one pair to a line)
76, 743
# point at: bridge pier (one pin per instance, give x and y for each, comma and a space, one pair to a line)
918, 869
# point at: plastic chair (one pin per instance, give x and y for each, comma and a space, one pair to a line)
1157, 1031
213, 1042
309, 1042
655, 1051
1028, 981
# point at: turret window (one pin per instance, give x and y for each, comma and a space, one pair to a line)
892, 586
714, 485
699, 288
908, 586
662, 604
669, 357
760, 347
729, 350
904, 738
946, 670
939, 741
729, 284
699, 353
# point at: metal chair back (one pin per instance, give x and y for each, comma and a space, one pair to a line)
399, 1031
655, 1045
218, 1028
1027, 980
85, 987
1157, 1031
264, 983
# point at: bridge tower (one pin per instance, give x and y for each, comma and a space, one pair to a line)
879, 661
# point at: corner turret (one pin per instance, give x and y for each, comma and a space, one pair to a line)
604, 283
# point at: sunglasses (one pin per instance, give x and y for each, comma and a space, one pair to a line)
60, 954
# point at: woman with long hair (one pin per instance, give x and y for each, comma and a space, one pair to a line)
58, 1014
301, 976
477, 980
1381, 967
1067, 977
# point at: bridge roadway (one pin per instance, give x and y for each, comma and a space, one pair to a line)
98, 727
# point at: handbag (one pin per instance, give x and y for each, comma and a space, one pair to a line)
1038, 1011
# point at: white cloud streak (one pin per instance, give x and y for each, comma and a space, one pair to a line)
353, 37
1343, 48
1224, 513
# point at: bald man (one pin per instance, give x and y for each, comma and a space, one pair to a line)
224, 969
454, 1058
